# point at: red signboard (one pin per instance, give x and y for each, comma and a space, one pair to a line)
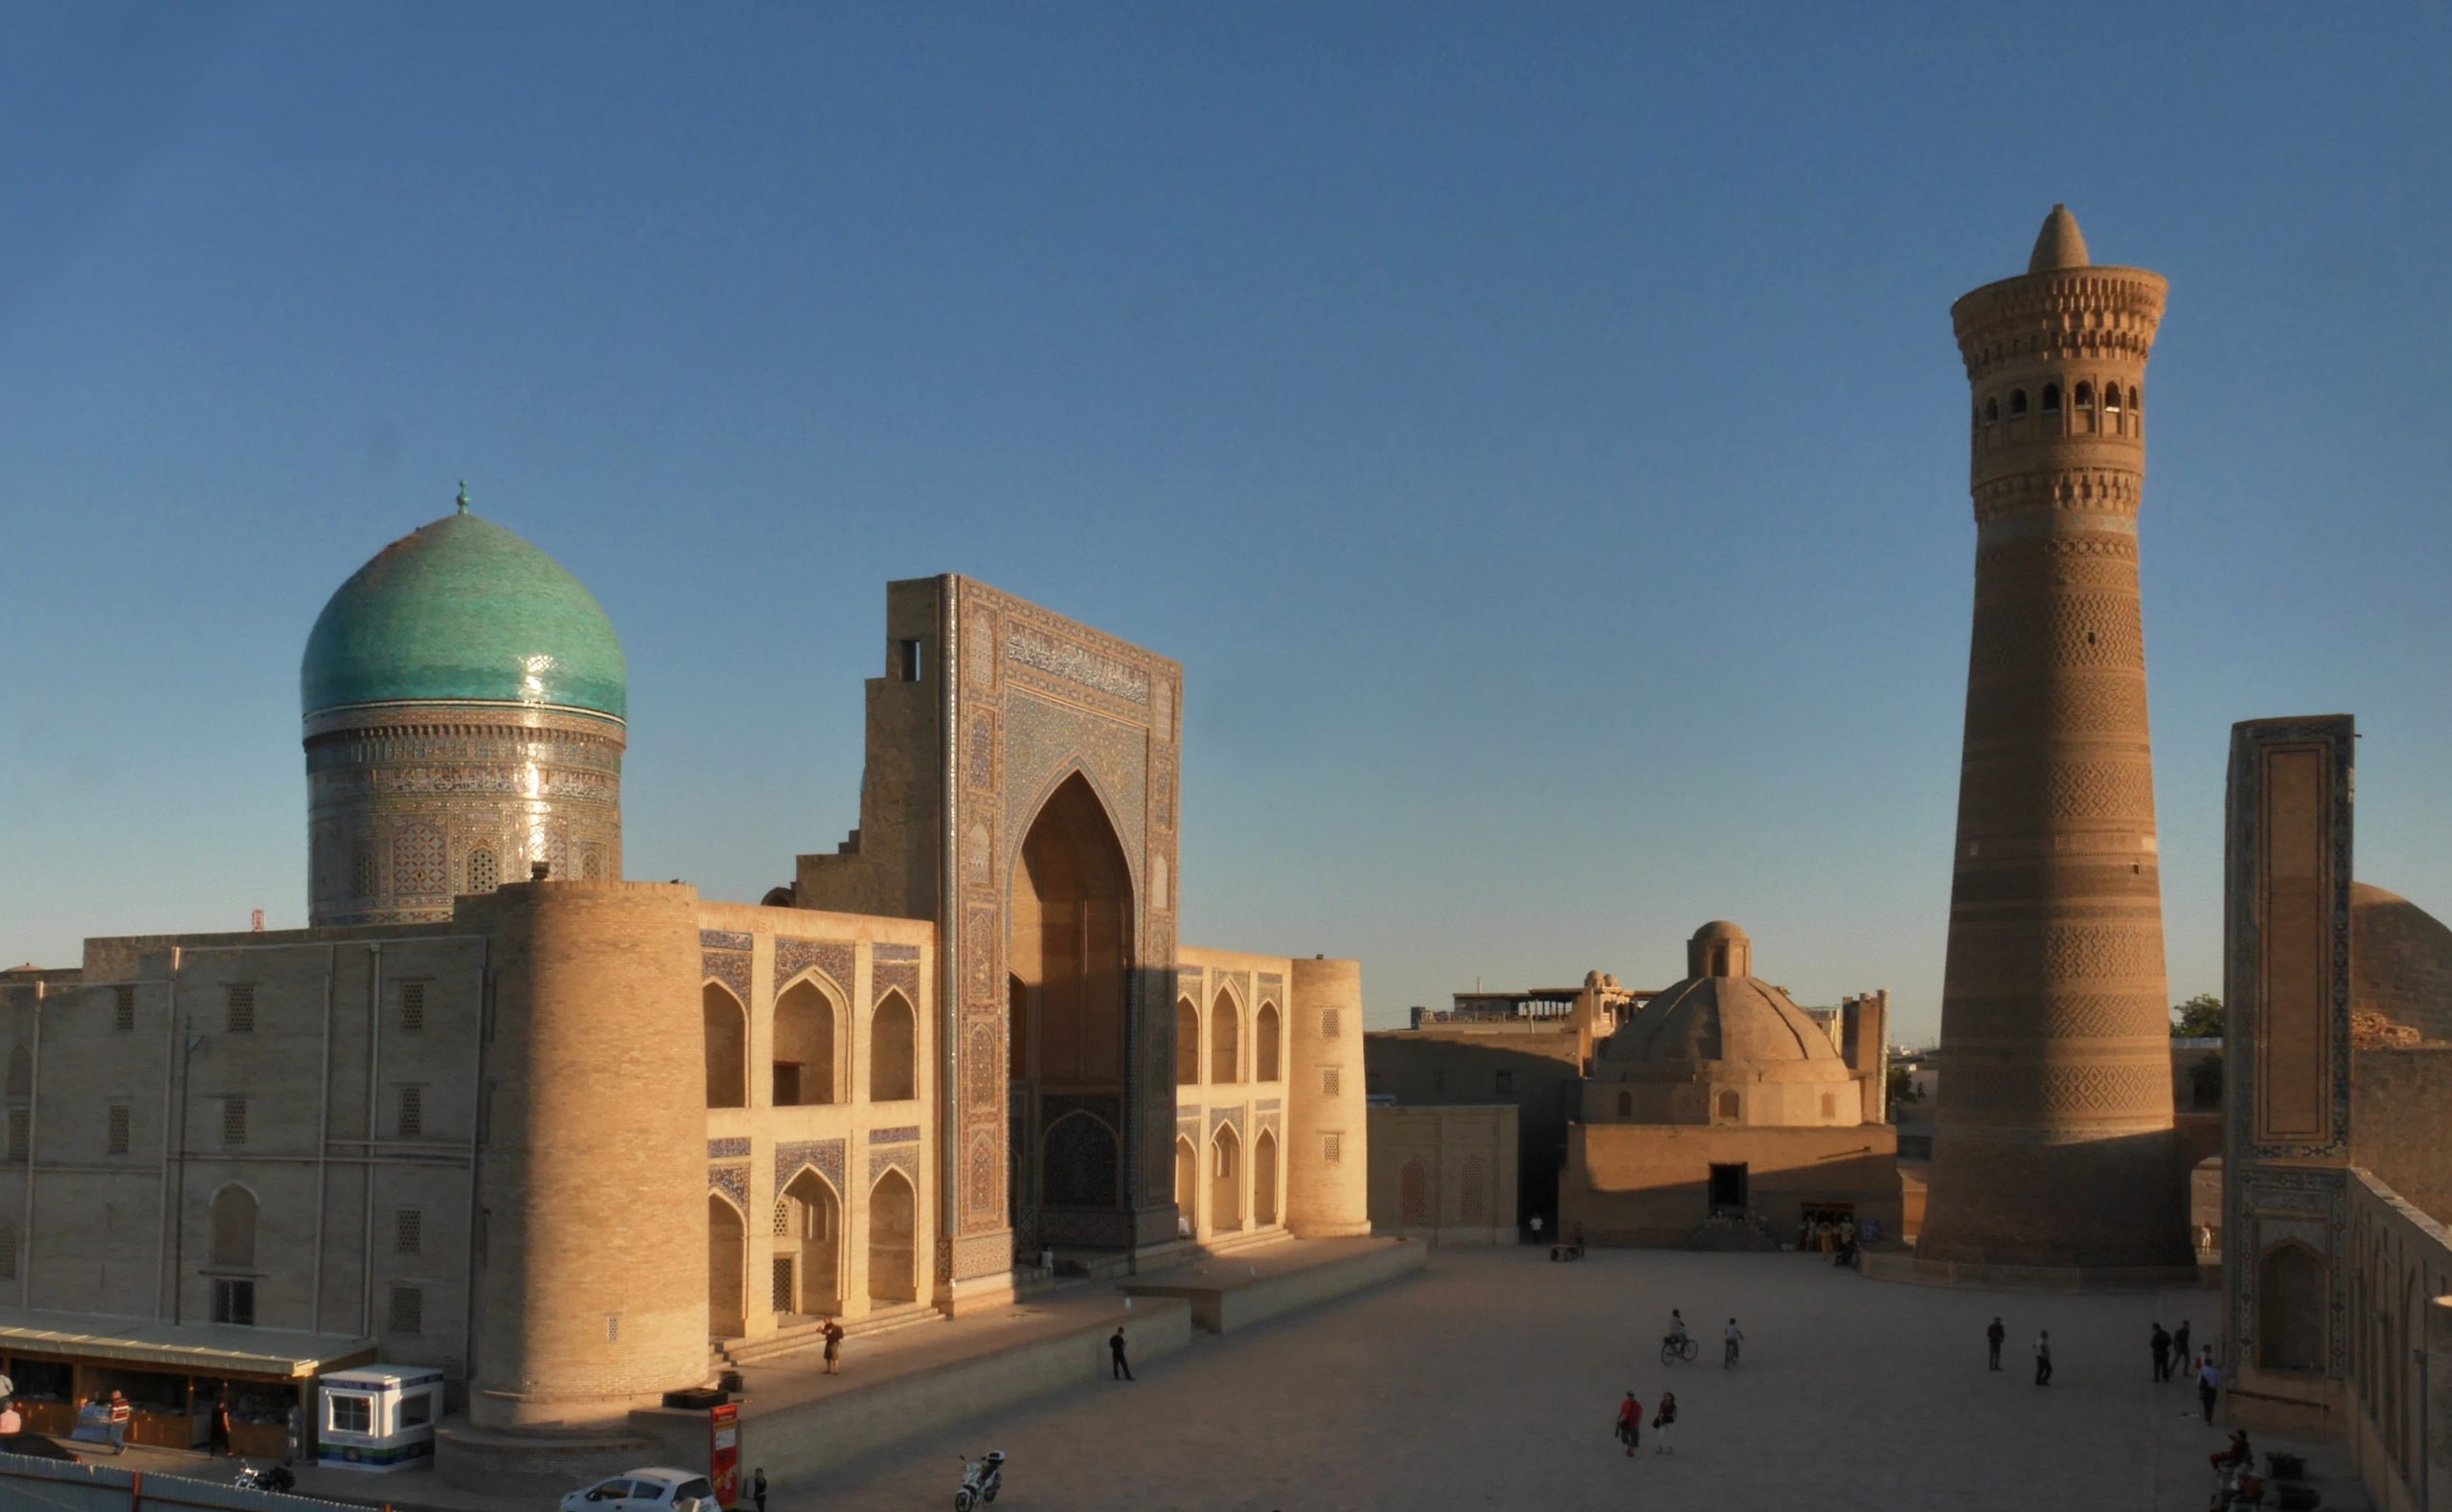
723, 1451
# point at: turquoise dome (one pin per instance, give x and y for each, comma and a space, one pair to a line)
463, 610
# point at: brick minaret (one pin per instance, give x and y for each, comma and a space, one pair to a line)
2051, 1144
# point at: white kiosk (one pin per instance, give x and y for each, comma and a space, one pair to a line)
377, 1418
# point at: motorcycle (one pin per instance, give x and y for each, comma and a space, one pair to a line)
271, 1478
980, 1480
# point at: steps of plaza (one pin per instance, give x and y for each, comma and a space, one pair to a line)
809, 1332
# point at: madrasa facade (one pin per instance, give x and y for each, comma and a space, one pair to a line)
562, 1135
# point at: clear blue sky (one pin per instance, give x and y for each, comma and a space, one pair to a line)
1535, 428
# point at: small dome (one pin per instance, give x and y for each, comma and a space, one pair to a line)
1719, 929
463, 610
2059, 245
1740, 1020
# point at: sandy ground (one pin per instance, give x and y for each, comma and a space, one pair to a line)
1493, 1380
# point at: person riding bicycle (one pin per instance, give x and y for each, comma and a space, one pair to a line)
1731, 1338
1676, 1327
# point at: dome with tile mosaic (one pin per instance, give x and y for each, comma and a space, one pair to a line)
463, 610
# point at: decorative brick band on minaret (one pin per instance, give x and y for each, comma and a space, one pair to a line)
2051, 1143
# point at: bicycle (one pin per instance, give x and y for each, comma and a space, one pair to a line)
1728, 1355
1673, 1348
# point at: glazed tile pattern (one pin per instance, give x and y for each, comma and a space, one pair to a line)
410, 806
899, 1134
792, 956
461, 610
733, 1181
822, 1155
728, 1149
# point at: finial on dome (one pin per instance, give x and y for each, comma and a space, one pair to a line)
2060, 245
464, 496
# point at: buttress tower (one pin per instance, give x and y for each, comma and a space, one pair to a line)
2053, 1137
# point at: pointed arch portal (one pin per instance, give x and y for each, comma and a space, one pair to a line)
1069, 951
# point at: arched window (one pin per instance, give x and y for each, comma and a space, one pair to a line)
2052, 399
2136, 400
2018, 403
234, 1229
485, 872
727, 1041
804, 1046
1991, 411
21, 1071
1187, 1044
2082, 395
2111, 398
1829, 1106
1264, 1038
893, 1051
1625, 1105
1728, 1105
1225, 1040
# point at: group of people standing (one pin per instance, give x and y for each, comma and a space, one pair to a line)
1630, 1423
2171, 1358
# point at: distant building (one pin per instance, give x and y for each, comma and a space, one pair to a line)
1724, 1107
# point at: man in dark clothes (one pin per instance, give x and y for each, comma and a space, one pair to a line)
217, 1432
2179, 1350
1122, 1370
2043, 1357
2160, 1344
1993, 1338
758, 1488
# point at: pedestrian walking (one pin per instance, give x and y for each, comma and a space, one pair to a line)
1661, 1420
758, 1487
1730, 1339
1994, 1338
1630, 1424
217, 1434
1121, 1368
2043, 1357
834, 1348
2160, 1344
2181, 1360
2209, 1384
1536, 1227
121, 1411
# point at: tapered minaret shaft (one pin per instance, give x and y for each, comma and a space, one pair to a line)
2051, 1144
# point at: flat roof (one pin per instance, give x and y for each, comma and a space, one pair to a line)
198, 1348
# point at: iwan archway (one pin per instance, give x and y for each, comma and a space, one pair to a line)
1069, 951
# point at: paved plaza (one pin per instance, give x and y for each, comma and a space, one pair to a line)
1493, 1379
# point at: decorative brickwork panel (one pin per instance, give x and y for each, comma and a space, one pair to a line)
733, 1181
833, 957
729, 967
822, 1155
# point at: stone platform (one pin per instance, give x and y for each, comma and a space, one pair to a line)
1899, 1263
1242, 1287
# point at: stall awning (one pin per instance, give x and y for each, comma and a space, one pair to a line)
197, 1348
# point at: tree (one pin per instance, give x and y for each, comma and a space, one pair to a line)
1902, 1087
2199, 1018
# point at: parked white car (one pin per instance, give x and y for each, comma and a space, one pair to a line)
658, 1488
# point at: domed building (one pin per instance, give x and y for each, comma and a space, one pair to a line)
1722, 1113
1722, 1046
966, 1039
463, 699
